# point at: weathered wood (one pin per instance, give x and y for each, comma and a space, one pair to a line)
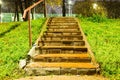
62, 65
62, 50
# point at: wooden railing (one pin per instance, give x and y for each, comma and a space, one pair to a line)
27, 14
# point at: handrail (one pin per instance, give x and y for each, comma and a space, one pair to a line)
28, 11
29, 8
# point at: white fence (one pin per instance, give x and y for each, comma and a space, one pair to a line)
9, 17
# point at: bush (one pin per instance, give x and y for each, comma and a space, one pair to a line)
97, 18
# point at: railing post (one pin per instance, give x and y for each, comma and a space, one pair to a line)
28, 10
29, 29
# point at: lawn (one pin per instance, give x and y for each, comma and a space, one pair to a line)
103, 36
14, 46
104, 39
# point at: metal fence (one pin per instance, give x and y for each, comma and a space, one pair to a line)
9, 17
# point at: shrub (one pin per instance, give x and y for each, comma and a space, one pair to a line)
97, 18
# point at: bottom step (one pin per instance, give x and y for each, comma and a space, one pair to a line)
39, 68
61, 64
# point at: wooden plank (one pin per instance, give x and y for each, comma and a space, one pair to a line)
62, 36
63, 27
62, 41
63, 31
82, 55
61, 64
63, 47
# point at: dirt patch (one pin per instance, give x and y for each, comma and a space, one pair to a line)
63, 77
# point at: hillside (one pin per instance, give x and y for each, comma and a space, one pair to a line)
14, 46
103, 37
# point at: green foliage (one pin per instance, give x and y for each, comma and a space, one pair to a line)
81, 8
94, 18
14, 46
97, 18
104, 39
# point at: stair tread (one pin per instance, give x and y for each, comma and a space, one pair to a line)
67, 22
63, 31
63, 36
61, 65
63, 27
82, 55
62, 40
72, 47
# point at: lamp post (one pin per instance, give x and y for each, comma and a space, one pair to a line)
0, 11
95, 6
70, 7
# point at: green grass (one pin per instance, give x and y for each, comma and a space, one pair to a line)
14, 46
103, 36
104, 39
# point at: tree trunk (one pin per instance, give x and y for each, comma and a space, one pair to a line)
45, 10
63, 9
21, 6
16, 12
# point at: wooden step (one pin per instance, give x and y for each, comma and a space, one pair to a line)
63, 47
62, 21
83, 55
43, 68
64, 26
63, 31
60, 37
61, 43
62, 18
65, 22
75, 29
78, 36
62, 40
58, 19
55, 34
74, 24
57, 59
61, 65
62, 58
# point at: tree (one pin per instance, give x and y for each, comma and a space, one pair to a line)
21, 5
63, 9
58, 2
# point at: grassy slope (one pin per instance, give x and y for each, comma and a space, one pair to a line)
14, 46
104, 39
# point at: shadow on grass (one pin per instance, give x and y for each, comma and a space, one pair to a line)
12, 28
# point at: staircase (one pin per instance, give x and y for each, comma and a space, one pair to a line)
62, 49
